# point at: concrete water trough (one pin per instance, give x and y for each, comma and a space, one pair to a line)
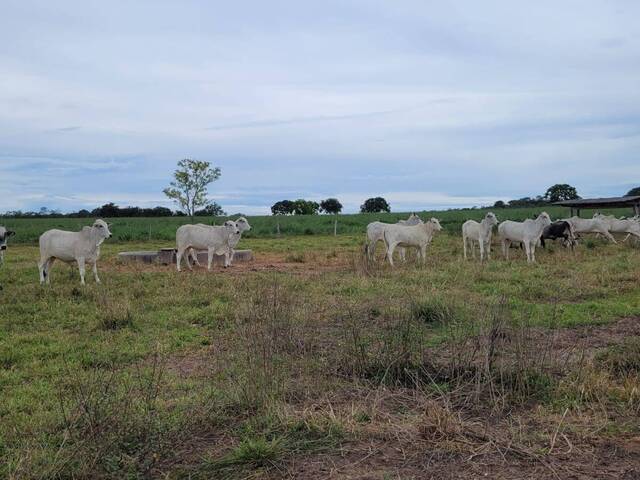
167, 256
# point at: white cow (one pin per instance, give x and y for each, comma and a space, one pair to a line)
631, 226
80, 247
473, 231
527, 232
4, 236
418, 236
590, 225
214, 239
375, 233
234, 239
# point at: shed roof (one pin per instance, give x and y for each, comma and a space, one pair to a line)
610, 202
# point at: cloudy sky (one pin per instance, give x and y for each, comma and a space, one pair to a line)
430, 104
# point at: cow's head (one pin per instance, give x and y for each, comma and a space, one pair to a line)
101, 229
436, 224
544, 218
243, 224
491, 218
231, 226
4, 236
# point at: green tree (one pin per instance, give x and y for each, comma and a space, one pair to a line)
331, 206
283, 207
189, 187
374, 205
499, 204
305, 207
560, 192
633, 192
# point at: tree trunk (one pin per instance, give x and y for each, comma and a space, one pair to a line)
278, 227
335, 227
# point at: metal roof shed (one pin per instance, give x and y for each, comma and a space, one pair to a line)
612, 202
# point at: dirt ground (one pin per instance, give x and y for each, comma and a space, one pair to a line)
407, 438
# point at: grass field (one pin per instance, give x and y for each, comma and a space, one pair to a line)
312, 363
164, 228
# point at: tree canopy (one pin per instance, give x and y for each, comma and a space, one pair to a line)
331, 206
374, 205
633, 192
560, 192
189, 187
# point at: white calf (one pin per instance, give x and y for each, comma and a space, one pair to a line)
234, 239
473, 231
631, 226
214, 239
80, 247
375, 233
590, 225
527, 232
416, 236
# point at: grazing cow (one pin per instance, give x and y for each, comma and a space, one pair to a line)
630, 226
375, 233
214, 239
473, 231
80, 247
527, 232
560, 229
590, 225
234, 239
4, 236
417, 236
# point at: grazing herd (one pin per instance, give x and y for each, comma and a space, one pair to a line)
83, 247
529, 234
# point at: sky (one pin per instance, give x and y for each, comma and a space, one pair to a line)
429, 104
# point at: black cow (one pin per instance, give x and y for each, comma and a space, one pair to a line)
559, 229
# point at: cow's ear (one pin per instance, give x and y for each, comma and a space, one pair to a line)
10, 232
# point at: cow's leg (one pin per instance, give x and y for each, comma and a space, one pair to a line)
527, 250
390, 248
209, 258
194, 256
1, 257
609, 236
464, 247
47, 268
403, 254
505, 249
423, 254
233, 254
481, 244
179, 254
623, 241
81, 269
95, 271
41, 268
227, 258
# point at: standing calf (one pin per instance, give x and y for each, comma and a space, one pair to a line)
417, 236
234, 239
527, 232
214, 239
473, 231
80, 247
